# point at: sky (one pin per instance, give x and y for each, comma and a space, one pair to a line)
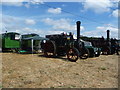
43, 17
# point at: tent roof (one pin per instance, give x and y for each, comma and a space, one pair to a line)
11, 33
35, 38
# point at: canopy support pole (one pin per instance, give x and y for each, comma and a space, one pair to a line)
32, 45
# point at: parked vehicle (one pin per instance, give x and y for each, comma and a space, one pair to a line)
63, 44
10, 41
93, 51
107, 45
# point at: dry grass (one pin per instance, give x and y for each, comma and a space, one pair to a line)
34, 71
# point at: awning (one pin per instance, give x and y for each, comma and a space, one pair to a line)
35, 38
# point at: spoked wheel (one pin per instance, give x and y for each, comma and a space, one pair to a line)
84, 53
73, 54
49, 48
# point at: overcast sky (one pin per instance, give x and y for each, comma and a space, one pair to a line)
55, 17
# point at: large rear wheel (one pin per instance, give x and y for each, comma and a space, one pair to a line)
49, 48
73, 54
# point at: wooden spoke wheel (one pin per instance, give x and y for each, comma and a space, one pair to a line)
73, 54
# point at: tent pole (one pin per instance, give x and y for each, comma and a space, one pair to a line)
32, 45
39, 45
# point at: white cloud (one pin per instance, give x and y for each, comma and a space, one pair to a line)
54, 32
27, 5
8, 19
13, 0
54, 10
15, 24
61, 24
21, 2
30, 22
64, 5
31, 30
98, 6
9, 22
112, 29
1, 27
37, 1
101, 31
25, 30
12, 3
115, 13
114, 0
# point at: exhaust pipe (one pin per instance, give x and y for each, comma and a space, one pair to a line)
78, 30
108, 35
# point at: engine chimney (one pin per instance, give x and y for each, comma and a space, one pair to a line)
78, 30
108, 35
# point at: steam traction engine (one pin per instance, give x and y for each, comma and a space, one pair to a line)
107, 45
63, 44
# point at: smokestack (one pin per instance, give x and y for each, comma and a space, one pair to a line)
108, 35
78, 30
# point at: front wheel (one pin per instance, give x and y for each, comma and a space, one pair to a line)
98, 53
85, 53
73, 54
